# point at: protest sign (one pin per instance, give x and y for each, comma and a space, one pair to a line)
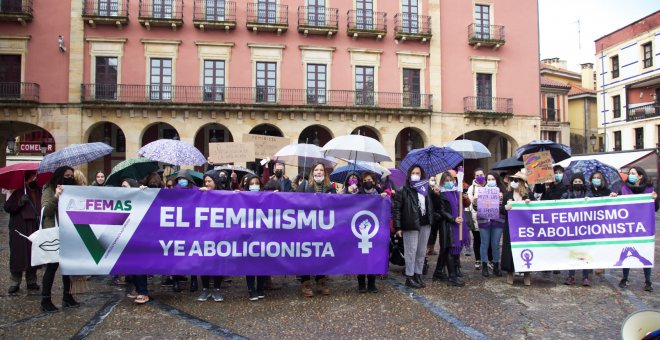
266, 146
488, 203
539, 167
231, 152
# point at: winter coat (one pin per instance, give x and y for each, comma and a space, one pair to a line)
23, 218
49, 204
406, 213
507, 254
443, 219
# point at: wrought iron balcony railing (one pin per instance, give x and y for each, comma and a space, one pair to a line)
267, 17
214, 14
19, 92
488, 105
252, 95
105, 12
161, 13
643, 112
16, 10
366, 23
412, 26
550, 115
486, 35
318, 20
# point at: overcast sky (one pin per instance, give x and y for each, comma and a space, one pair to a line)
558, 20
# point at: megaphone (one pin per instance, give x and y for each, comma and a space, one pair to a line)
638, 324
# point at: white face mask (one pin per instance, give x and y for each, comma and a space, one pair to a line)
415, 178
491, 184
432, 183
319, 179
514, 185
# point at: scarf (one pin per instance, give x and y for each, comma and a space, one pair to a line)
453, 197
421, 186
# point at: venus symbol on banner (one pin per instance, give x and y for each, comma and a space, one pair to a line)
363, 234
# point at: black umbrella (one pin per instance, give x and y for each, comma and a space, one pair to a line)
508, 164
558, 151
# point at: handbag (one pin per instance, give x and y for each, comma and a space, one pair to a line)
45, 244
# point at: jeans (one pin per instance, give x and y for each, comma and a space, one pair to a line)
647, 273
49, 277
414, 249
260, 283
140, 282
490, 237
585, 272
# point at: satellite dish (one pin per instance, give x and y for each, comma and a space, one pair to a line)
638, 324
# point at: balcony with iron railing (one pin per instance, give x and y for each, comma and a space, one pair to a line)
550, 115
363, 23
216, 14
267, 17
486, 35
16, 10
161, 13
643, 112
219, 95
318, 20
19, 92
488, 105
412, 27
109, 12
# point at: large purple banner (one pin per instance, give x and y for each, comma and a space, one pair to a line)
186, 232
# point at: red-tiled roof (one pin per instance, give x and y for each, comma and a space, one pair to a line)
578, 90
547, 82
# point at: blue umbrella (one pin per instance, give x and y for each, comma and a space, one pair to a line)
172, 151
588, 166
340, 173
74, 154
558, 151
432, 159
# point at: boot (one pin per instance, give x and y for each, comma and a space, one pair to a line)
307, 289
371, 284
193, 284
440, 275
425, 268
496, 269
176, 286
455, 281
47, 305
418, 278
362, 286
323, 289
412, 283
484, 269
457, 263
69, 302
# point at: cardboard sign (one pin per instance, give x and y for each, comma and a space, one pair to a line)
266, 146
488, 206
539, 167
231, 152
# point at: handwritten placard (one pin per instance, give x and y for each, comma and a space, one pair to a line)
231, 152
539, 167
266, 146
488, 203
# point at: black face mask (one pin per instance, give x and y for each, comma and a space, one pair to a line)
578, 187
278, 173
68, 181
368, 185
32, 185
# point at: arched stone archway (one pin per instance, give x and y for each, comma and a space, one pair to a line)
368, 131
267, 129
406, 140
23, 142
211, 133
111, 134
501, 146
158, 131
315, 134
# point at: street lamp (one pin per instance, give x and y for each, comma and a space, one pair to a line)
44, 147
592, 140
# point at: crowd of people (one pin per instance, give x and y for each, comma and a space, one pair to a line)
429, 212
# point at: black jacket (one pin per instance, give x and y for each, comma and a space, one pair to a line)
405, 209
554, 192
443, 219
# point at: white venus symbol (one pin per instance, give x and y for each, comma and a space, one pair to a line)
361, 231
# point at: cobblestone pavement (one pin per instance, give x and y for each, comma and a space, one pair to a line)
485, 308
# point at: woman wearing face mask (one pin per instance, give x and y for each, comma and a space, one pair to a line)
49, 201
577, 189
491, 229
518, 191
446, 217
599, 185
140, 295
479, 182
99, 179
460, 238
412, 212
352, 183
368, 187
318, 184
435, 228
255, 284
637, 183
184, 181
24, 208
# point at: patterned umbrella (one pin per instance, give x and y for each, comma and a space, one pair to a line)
588, 167
74, 154
558, 151
11, 177
172, 151
432, 159
135, 168
469, 149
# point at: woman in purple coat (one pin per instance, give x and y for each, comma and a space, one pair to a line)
460, 238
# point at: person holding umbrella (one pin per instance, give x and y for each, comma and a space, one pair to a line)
213, 181
460, 229
49, 201
412, 212
23, 207
446, 218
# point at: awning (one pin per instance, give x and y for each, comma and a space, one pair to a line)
621, 160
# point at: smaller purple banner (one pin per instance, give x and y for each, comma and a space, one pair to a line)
92, 217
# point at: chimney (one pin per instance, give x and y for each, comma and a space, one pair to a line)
588, 76
556, 62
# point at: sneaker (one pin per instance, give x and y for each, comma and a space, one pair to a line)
477, 265
132, 295
168, 282
570, 280
490, 265
142, 299
217, 296
261, 294
585, 282
623, 284
253, 296
205, 295
648, 286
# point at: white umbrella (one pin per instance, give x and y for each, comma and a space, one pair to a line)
303, 155
469, 149
356, 148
